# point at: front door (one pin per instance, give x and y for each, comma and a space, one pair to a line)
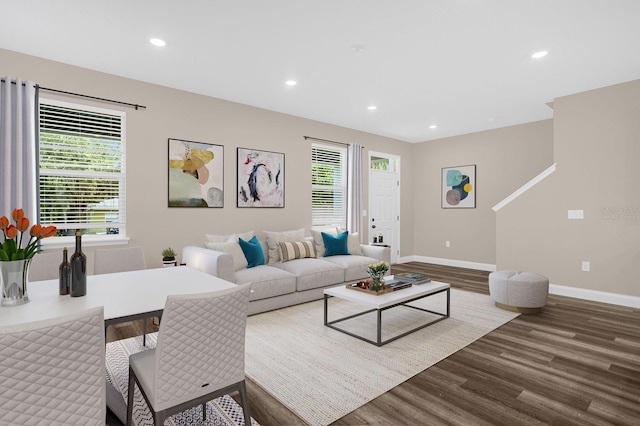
384, 201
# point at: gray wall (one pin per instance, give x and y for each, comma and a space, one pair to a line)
505, 159
597, 149
173, 113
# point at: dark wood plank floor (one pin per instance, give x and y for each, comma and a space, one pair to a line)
576, 363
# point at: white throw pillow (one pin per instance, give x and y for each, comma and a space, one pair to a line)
234, 249
286, 236
353, 242
231, 237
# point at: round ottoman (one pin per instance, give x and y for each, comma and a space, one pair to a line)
523, 292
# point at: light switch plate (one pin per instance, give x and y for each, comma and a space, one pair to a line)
575, 214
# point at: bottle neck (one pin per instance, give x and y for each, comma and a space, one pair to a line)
65, 257
78, 243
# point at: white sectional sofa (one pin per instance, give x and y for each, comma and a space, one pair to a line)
278, 283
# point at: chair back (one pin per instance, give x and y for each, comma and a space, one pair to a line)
106, 261
52, 371
45, 266
200, 345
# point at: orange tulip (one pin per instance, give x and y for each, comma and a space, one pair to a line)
48, 231
4, 222
22, 224
36, 230
17, 214
11, 231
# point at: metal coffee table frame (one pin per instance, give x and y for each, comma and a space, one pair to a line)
405, 303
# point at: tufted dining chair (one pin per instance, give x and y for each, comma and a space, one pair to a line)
199, 354
45, 266
107, 261
52, 371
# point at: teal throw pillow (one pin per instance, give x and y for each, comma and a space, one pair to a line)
252, 250
335, 244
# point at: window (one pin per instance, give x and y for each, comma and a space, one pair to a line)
82, 168
328, 185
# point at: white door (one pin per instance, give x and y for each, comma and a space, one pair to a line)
384, 201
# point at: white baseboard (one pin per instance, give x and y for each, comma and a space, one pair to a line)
449, 262
560, 290
596, 296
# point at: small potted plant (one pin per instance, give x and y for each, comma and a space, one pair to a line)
168, 257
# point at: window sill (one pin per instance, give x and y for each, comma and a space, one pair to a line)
87, 241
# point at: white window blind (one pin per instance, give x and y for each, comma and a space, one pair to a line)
328, 185
82, 168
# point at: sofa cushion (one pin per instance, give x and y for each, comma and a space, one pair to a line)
353, 243
355, 267
335, 245
266, 281
318, 242
274, 237
252, 251
231, 237
313, 273
295, 250
233, 248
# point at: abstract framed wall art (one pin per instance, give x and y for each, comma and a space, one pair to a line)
459, 187
196, 174
260, 178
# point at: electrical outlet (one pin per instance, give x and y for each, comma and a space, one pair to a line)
447, 243
586, 266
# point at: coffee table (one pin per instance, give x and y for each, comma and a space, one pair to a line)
395, 299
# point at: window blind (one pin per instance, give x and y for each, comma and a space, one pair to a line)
82, 168
328, 185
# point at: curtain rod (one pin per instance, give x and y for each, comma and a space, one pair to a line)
327, 140
136, 106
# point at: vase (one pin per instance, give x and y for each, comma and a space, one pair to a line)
376, 281
14, 275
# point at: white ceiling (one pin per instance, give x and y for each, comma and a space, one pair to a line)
464, 65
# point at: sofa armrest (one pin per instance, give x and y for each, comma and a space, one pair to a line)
377, 252
210, 261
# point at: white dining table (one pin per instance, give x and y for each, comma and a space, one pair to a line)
126, 296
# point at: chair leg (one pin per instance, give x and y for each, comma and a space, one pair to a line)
244, 398
144, 332
132, 384
204, 411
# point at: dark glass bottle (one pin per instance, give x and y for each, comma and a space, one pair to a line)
65, 274
78, 269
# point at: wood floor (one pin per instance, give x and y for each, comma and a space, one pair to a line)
576, 363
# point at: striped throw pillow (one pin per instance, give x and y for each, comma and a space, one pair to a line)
295, 250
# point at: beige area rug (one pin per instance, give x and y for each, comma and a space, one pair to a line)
322, 374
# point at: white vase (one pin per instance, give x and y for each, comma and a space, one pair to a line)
13, 276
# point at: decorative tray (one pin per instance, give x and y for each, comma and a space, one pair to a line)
387, 287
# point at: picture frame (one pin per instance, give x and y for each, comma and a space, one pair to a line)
459, 187
260, 178
195, 174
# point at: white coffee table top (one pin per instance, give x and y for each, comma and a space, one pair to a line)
387, 299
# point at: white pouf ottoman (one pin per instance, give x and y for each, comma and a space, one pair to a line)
523, 292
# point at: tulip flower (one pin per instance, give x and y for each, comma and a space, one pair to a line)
17, 214
11, 232
11, 248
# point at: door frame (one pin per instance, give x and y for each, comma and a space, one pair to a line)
394, 165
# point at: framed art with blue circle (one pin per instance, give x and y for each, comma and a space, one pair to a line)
459, 187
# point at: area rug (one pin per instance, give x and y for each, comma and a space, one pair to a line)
223, 411
322, 374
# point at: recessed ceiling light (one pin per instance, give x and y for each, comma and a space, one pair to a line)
291, 82
157, 42
539, 54
433, 126
372, 107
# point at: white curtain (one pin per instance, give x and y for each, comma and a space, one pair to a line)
354, 189
18, 147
